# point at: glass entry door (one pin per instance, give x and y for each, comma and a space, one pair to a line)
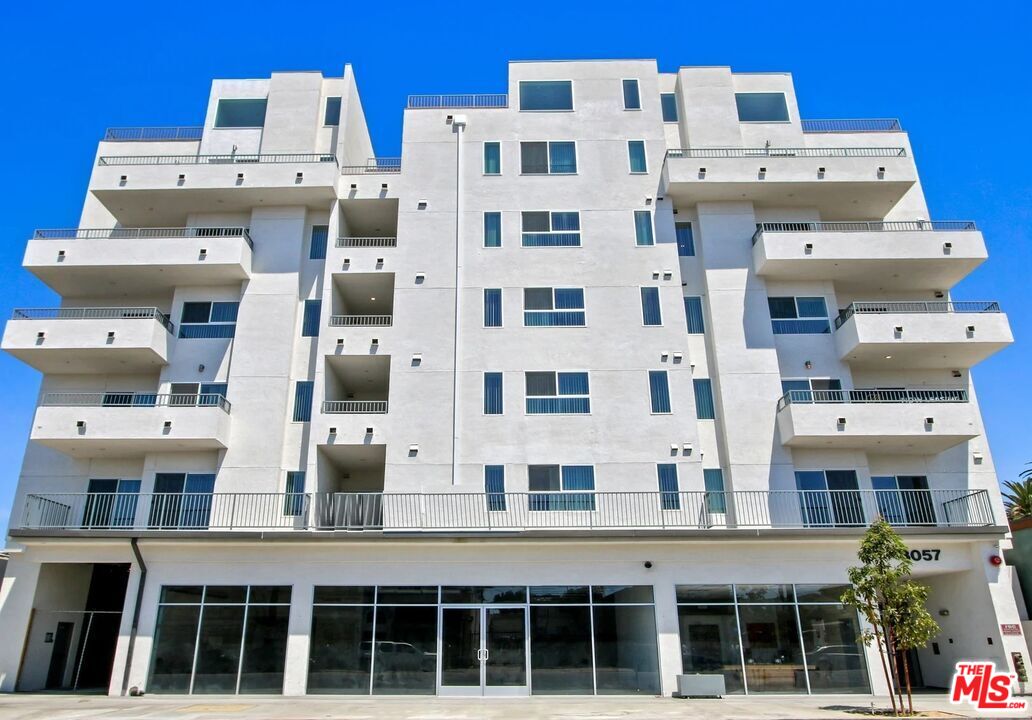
483, 651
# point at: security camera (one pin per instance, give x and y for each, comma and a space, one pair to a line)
648, 564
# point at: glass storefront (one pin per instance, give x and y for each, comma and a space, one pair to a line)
772, 638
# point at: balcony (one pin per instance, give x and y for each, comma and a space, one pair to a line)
114, 424
841, 182
354, 407
936, 335
81, 262
374, 166
153, 134
510, 513
907, 421
356, 385
150, 190
90, 340
457, 102
367, 242
887, 255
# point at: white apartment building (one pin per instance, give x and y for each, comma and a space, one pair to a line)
597, 385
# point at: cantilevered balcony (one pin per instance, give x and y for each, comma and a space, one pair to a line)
907, 421
118, 424
884, 254
84, 262
935, 334
90, 339
841, 182
509, 513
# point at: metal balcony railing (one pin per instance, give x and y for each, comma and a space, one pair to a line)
864, 226
860, 125
361, 320
875, 396
121, 233
373, 166
351, 407
152, 134
367, 242
134, 399
418, 102
228, 159
916, 307
94, 313
509, 512
782, 152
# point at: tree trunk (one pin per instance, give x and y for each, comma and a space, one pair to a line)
890, 645
881, 655
906, 676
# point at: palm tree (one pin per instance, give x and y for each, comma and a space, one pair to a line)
1018, 496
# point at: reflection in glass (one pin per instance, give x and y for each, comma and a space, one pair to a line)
764, 593
340, 654
834, 653
506, 645
704, 594
460, 647
344, 595
406, 650
709, 642
604, 594
560, 649
175, 637
770, 638
559, 594
626, 657
218, 651
265, 649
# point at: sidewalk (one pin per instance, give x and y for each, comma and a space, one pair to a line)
220, 707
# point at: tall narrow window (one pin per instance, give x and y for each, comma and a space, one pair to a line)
492, 158
716, 500
659, 391
303, 400
669, 497
693, 315
643, 228
636, 156
294, 502
650, 312
492, 393
546, 95
704, 407
494, 486
332, 116
492, 307
669, 102
492, 229
685, 239
317, 249
631, 96
310, 323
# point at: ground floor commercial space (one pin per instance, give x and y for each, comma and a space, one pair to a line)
478, 616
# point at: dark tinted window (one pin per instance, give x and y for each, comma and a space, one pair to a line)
546, 95
332, 111
761, 107
240, 113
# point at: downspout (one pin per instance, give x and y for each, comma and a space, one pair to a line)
458, 127
136, 613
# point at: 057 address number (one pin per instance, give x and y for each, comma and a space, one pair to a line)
927, 555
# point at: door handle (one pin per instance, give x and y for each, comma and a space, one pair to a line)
480, 655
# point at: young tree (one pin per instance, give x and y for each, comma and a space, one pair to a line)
912, 624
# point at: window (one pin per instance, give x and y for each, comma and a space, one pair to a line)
799, 315
494, 486
492, 158
761, 107
669, 497
241, 113
492, 393
636, 156
650, 312
294, 502
542, 228
492, 229
813, 390
557, 393
190, 394
561, 487
829, 498
492, 307
546, 95
310, 323
208, 320
904, 499
548, 158
685, 239
317, 247
631, 96
110, 503
332, 116
693, 315
716, 500
669, 103
704, 407
303, 390
553, 307
643, 228
659, 391
181, 501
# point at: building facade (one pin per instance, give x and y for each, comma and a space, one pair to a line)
597, 385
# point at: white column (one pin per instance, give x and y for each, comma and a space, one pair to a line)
16, 598
295, 672
668, 630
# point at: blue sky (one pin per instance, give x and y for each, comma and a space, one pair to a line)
958, 75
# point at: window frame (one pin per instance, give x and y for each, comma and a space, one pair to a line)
306, 321
704, 382
573, 97
324, 248
788, 111
582, 309
558, 395
326, 110
652, 397
501, 389
795, 302
644, 157
211, 309
548, 155
718, 503
501, 308
496, 499
551, 229
677, 114
668, 499
562, 489
652, 228
659, 305
500, 221
483, 166
691, 233
218, 108
637, 92
702, 314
